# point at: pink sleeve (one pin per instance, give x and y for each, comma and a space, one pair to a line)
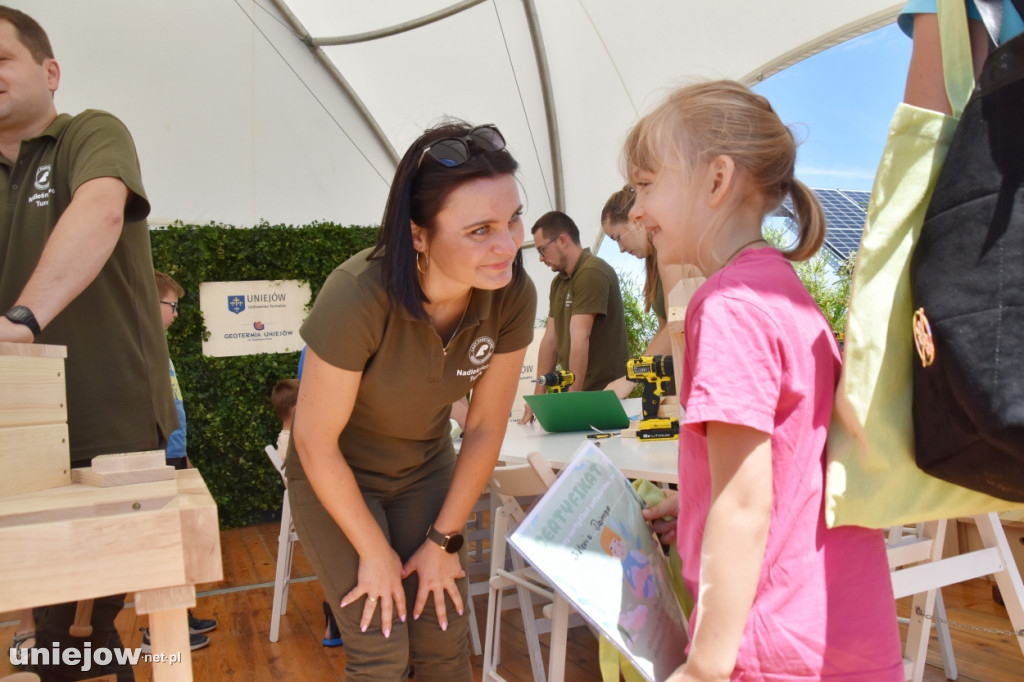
734, 363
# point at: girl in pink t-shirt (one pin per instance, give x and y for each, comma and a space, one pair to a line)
779, 595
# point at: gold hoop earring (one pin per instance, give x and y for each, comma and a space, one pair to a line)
421, 268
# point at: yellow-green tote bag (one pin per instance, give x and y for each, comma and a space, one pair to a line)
871, 478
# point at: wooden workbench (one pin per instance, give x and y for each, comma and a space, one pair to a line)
74, 542
66, 541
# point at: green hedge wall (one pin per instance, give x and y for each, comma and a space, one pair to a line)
227, 400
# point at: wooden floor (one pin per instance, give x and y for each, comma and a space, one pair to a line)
240, 648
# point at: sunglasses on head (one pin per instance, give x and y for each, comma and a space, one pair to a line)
455, 151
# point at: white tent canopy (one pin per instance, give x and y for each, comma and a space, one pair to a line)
237, 119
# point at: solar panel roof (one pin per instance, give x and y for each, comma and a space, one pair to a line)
845, 213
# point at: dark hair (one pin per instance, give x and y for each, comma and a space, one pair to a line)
284, 397
30, 33
418, 193
555, 223
615, 212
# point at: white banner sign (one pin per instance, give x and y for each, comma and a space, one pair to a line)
245, 318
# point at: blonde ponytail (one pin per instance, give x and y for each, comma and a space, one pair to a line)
811, 219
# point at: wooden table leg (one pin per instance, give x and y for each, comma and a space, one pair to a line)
169, 637
168, 630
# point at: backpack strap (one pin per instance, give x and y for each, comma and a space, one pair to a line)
957, 62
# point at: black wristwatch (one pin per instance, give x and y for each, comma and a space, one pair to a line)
19, 314
449, 543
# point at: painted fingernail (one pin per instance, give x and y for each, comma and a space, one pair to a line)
402, 617
387, 632
415, 616
362, 628
343, 604
444, 626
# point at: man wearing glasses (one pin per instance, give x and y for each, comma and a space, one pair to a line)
76, 270
586, 325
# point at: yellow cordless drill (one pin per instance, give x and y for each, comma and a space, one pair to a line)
655, 372
558, 381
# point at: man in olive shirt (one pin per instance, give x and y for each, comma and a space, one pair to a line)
76, 270
586, 326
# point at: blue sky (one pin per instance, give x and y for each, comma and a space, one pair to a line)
838, 104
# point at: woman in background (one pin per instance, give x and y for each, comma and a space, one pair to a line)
632, 238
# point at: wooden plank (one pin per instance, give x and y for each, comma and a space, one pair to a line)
129, 461
80, 500
970, 539
199, 524
33, 350
933, 575
113, 479
33, 391
165, 598
34, 458
244, 658
680, 283
106, 554
172, 658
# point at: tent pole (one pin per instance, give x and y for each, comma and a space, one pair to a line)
326, 62
398, 28
554, 139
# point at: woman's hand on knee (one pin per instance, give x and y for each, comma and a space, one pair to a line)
379, 582
438, 570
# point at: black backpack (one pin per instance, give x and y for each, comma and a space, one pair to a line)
967, 280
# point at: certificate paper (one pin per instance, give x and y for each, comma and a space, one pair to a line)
587, 537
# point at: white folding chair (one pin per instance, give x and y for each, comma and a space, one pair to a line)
899, 541
285, 542
508, 484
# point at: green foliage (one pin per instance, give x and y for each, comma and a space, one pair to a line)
227, 400
831, 291
640, 326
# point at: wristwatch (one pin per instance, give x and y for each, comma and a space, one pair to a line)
19, 314
450, 543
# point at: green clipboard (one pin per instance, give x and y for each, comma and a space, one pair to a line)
578, 411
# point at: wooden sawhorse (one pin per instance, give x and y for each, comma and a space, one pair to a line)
918, 569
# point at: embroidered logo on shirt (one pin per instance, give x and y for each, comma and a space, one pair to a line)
568, 299
481, 350
42, 184
43, 174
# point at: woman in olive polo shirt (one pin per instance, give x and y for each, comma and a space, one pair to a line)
399, 332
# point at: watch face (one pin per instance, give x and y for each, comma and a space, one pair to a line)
19, 314
454, 543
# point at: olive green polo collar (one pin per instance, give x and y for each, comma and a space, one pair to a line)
584, 255
56, 126
53, 131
